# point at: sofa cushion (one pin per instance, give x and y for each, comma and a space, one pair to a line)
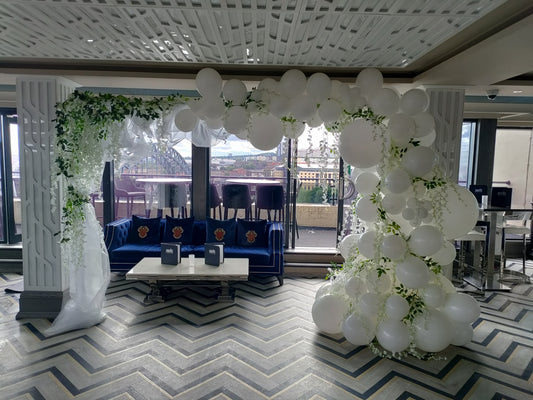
221, 231
144, 230
251, 233
255, 255
178, 230
133, 252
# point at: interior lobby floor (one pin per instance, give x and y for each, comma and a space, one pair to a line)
263, 346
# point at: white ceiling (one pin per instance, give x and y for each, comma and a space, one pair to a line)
478, 45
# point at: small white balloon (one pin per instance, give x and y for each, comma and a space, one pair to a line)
433, 295
208, 82
329, 110
213, 107
462, 307
414, 101
293, 130
355, 287
424, 124
186, 120
397, 181
370, 304
384, 101
419, 161
366, 209
279, 106
462, 333
235, 91
236, 119
425, 240
369, 80
367, 244
393, 335
318, 86
366, 182
348, 245
446, 254
433, 331
409, 213
358, 330
394, 247
328, 313
402, 128
412, 272
396, 307
393, 203
302, 107
292, 83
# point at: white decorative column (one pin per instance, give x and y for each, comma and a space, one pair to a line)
45, 282
447, 107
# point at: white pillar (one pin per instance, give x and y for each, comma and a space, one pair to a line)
447, 107
44, 279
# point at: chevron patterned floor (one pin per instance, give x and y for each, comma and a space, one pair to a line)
263, 346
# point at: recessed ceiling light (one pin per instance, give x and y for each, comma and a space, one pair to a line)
518, 91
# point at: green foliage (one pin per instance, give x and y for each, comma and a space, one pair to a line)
416, 304
432, 183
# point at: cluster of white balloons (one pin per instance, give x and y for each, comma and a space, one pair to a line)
390, 288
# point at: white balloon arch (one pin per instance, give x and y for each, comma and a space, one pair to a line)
390, 292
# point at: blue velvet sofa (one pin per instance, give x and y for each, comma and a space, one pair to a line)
126, 249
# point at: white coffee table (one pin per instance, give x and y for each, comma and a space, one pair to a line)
162, 275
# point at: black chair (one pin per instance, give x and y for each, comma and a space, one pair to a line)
215, 201
501, 197
236, 196
270, 198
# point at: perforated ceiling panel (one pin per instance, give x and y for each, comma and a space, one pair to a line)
335, 33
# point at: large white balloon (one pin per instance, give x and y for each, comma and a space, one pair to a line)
359, 145
292, 83
318, 86
208, 82
293, 130
397, 181
433, 331
186, 120
235, 91
370, 304
367, 244
459, 213
425, 240
355, 287
424, 124
265, 131
393, 246
414, 101
328, 313
461, 307
366, 182
358, 330
393, 335
213, 107
279, 106
412, 272
418, 161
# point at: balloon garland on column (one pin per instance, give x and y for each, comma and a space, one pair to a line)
390, 293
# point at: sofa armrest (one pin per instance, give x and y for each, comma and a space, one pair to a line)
116, 233
275, 243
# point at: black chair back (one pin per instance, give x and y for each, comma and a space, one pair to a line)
501, 197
